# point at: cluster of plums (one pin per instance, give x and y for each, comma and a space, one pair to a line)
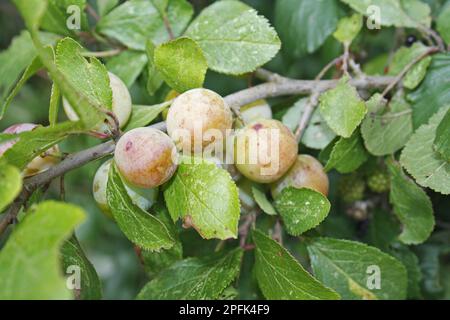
147, 158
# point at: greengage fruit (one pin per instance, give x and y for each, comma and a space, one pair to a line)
143, 198
265, 150
121, 104
39, 164
146, 157
307, 172
259, 109
195, 113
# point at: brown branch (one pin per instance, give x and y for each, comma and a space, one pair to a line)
92, 12
236, 100
168, 27
299, 87
313, 101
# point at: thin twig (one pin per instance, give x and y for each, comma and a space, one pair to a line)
62, 188
244, 228
331, 64
92, 12
277, 234
435, 36
269, 76
306, 115
408, 67
345, 59
313, 100
168, 27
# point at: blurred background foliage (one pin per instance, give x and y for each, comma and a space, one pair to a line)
113, 255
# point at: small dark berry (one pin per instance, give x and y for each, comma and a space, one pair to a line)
410, 40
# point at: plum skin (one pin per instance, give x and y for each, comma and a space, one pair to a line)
39, 164
146, 157
287, 153
257, 110
197, 108
307, 172
143, 198
121, 104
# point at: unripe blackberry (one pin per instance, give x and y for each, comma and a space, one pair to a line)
351, 188
379, 181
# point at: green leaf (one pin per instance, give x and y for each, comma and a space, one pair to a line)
90, 77
54, 105
431, 256
351, 268
415, 76
155, 79
383, 230
317, 134
140, 227
155, 262
105, 6
260, 197
34, 143
398, 13
29, 266
443, 22
304, 25
301, 209
161, 5
195, 278
27, 74
411, 263
192, 195
136, 21
128, 65
348, 154
422, 162
56, 16
442, 140
404, 56
234, 39
412, 206
387, 128
32, 12
281, 277
342, 108
14, 61
144, 115
348, 28
73, 256
181, 64
433, 93
10, 183
17, 64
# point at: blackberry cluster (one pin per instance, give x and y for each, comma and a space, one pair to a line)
379, 181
